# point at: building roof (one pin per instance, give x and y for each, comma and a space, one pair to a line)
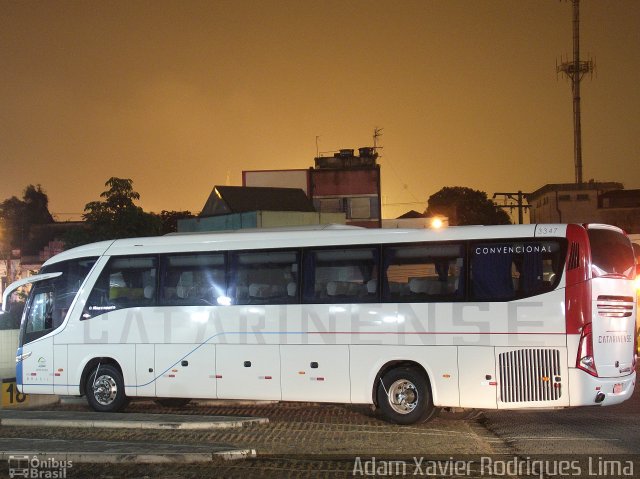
561, 187
411, 214
241, 199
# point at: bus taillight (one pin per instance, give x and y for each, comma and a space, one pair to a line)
585, 360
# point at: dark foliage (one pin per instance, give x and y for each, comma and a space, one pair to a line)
466, 206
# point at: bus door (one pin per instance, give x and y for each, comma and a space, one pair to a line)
35, 369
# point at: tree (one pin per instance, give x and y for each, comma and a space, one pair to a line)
170, 219
20, 215
36, 205
117, 216
466, 206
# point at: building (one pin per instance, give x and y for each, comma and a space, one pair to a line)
15, 265
592, 202
343, 183
240, 207
568, 202
621, 208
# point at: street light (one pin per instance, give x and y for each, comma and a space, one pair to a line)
437, 223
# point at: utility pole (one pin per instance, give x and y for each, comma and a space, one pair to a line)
574, 71
519, 197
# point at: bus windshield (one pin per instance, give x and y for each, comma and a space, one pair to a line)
611, 253
49, 300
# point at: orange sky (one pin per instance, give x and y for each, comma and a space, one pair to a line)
181, 95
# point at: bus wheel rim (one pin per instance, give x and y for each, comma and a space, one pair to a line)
105, 390
403, 396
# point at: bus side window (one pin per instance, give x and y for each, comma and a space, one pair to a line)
196, 279
502, 271
423, 272
264, 277
341, 275
125, 282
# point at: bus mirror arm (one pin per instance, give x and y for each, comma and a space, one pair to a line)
21, 282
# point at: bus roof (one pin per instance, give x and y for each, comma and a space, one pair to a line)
296, 237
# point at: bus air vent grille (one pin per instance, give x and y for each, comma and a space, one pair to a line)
615, 306
528, 375
574, 256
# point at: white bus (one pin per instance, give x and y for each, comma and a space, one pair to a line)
412, 321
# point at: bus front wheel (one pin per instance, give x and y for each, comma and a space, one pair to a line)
404, 396
105, 389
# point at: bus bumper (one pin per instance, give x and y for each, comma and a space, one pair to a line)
589, 391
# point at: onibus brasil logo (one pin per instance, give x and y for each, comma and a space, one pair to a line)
38, 468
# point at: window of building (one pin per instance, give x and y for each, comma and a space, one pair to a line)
330, 205
341, 275
582, 197
564, 197
360, 208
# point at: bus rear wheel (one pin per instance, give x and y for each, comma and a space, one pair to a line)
105, 389
404, 397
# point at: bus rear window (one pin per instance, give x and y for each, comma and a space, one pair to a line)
611, 253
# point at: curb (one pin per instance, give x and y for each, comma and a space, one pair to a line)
143, 458
79, 423
57, 419
82, 401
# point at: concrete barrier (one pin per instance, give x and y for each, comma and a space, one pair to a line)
10, 398
8, 346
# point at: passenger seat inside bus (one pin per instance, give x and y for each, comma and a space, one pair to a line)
345, 288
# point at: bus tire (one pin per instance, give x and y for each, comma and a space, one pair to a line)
404, 396
173, 402
106, 392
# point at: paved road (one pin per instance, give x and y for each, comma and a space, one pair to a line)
606, 430
323, 440
300, 440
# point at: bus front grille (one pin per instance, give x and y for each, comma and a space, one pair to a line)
530, 375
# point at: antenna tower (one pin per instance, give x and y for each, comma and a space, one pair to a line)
574, 71
377, 133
